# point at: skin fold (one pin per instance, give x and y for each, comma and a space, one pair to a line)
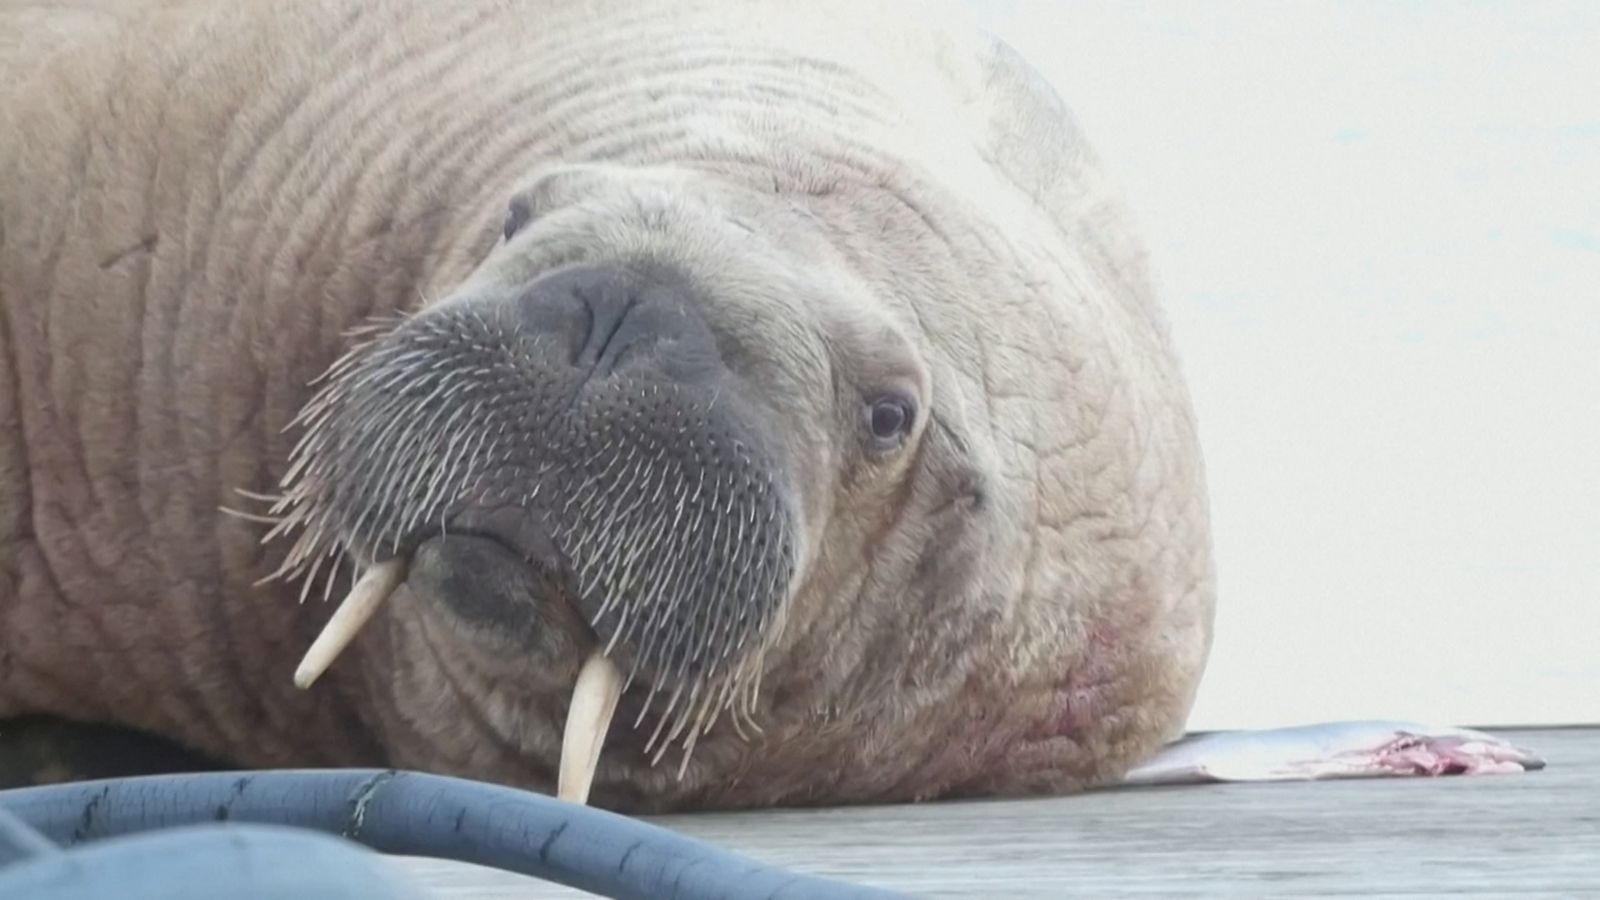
200, 203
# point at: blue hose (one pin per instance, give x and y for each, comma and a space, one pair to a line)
241, 862
19, 842
407, 813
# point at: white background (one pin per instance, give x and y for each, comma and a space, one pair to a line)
1377, 229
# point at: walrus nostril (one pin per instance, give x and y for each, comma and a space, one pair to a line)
611, 317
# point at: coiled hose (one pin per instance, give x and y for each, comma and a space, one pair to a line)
295, 833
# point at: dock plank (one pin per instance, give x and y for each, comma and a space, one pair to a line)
1533, 834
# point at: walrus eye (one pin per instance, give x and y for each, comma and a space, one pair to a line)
516, 217
890, 418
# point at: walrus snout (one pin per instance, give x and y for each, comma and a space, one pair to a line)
573, 444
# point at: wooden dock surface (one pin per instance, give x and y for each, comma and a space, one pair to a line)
1529, 835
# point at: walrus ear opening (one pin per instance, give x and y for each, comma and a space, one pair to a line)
965, 484
955, 539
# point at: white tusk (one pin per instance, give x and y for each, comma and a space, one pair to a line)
594, 699
374, 587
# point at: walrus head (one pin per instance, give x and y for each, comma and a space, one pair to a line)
575, 440
624, 448
677, 440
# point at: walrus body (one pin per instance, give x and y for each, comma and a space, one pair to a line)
871, 258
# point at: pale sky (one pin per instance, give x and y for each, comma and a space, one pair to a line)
1377, 228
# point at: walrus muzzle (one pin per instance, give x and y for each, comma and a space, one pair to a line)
579, 441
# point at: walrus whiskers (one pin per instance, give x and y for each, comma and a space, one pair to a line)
369, 592
594, 701
656, 532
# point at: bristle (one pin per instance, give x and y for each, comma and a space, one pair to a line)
684, 562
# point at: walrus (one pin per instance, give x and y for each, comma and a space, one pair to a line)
699, 404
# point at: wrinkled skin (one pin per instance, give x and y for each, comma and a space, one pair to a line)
197, 205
